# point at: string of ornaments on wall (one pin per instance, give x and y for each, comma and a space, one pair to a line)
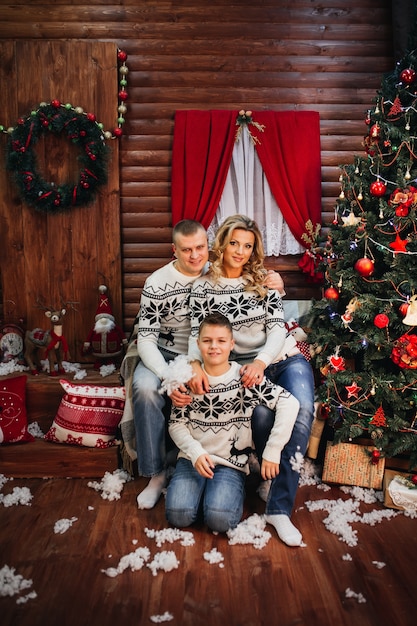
83, 130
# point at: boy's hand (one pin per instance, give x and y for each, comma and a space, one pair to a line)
269, 469
199, 382
205, 466
180, 397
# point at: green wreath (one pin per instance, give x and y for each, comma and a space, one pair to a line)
83, 131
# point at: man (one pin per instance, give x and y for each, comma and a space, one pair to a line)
163, 331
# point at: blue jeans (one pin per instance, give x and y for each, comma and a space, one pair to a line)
150, 421
296, 375
220, 499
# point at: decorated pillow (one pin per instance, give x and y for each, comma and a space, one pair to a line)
88, 415
13, 417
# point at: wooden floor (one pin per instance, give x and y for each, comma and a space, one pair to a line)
276, 585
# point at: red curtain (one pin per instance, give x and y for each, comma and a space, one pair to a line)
289, 152
201, 156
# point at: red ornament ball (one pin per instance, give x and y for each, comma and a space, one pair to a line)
123, 95
364, 266
122, 56
378, 188
403, 308
408, 76
381, 320
91, 117
331, 293
56, 104
375, 456
117, 132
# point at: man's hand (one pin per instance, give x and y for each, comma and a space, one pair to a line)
273, 280
269, 469
205, 466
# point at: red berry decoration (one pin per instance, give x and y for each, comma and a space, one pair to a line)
408, 76
364, 266
331, 293
381, 320
325, 411
378, 188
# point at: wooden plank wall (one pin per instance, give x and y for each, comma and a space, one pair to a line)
322, 55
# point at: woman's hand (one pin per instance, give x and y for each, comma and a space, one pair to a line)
199, 382
205, 466
274, 281
269, 469
252, 374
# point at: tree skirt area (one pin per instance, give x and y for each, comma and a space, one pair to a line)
76, 551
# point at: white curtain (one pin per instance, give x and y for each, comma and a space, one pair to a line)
246, 191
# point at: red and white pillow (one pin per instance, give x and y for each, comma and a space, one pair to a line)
13, 416
88, 415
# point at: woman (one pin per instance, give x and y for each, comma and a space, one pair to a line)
235, 286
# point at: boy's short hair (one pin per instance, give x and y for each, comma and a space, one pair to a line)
216, 319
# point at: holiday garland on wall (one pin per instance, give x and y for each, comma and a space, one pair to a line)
83, 130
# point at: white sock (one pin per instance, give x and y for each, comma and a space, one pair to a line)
151, 494
263, 489
286, 530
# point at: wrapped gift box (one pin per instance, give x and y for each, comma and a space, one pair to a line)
350, 464
397, 494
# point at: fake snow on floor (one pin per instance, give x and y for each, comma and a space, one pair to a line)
214, 557
13, 365
158, 619
62, 525
343, 513
12, 584
111, 485
19, 495
169, 535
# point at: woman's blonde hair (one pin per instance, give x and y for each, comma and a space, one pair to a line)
254, 271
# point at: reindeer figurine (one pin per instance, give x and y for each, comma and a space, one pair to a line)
52, 340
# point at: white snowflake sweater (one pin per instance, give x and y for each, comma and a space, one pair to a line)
164, 317
218, 423
258, 323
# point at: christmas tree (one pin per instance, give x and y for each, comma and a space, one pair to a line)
364, 330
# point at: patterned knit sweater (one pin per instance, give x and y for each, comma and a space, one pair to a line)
164, 317
219, 422
258, 323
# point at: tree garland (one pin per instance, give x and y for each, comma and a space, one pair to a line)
83, 130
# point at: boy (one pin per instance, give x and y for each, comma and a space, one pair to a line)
214, 436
